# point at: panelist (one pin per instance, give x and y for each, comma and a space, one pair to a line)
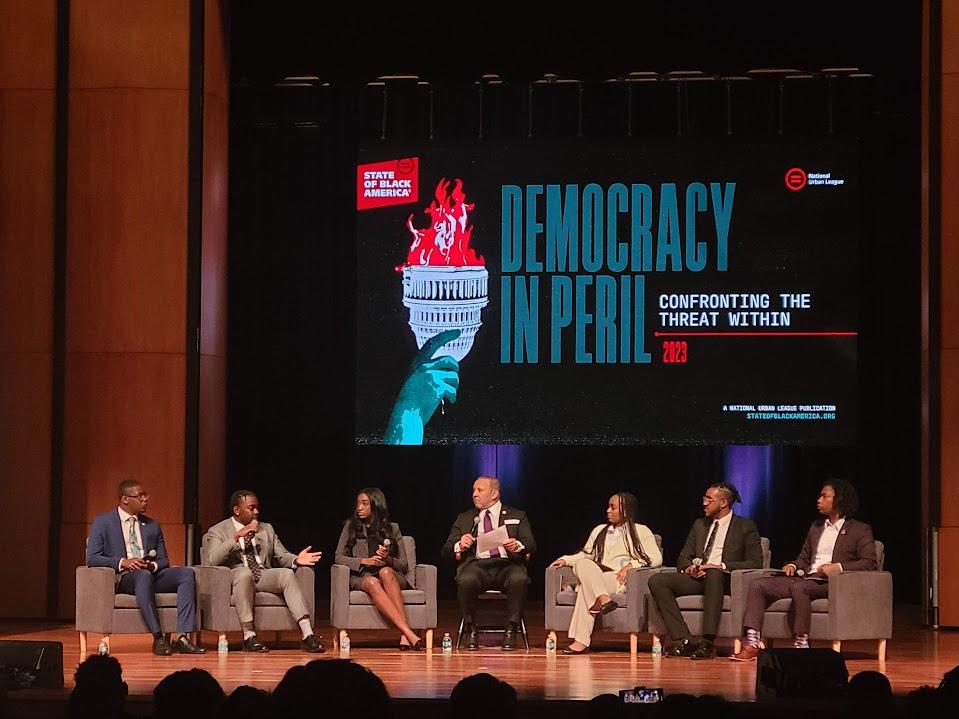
501, 567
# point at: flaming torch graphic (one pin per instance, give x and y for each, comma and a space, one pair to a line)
444, 280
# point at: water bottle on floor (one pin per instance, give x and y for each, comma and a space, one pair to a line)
447, 644
345, 643
104, 648
550, 645
222, 646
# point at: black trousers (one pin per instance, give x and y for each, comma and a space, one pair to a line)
500, 574
665, 587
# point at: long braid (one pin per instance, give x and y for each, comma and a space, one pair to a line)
627, 505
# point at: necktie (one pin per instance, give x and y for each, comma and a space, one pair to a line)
711, 541
251, 563
134, 544
488, 527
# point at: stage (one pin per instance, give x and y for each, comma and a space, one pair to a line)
915, 656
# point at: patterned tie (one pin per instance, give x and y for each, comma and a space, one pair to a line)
134, 544
251, 563
710, 542
488, 527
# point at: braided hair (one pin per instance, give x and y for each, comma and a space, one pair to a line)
628, 506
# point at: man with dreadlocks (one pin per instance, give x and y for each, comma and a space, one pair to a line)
836, 543
611, 550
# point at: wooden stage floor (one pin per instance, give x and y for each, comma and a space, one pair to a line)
915, 656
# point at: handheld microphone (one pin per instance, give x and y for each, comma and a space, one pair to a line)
475, 525
152, 554
800, 572
387, 542
697, 561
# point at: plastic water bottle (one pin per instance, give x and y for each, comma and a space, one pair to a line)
222, 646
447, 644
550, 645
104, 648
657, 648
345, 643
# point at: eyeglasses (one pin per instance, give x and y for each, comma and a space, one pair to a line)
141, 496
710, 500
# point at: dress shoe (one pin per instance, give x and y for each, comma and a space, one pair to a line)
416, 646
183, 645
748, 653
472, 638
705, 650
312, 645
679, 648
161, 647
253, 644
509, 637
604, 609
570, 650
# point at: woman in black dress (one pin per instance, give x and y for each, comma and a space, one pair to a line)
370, 546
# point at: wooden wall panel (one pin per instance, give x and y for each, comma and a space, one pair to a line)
26, 220
950, 210
28, 41
216, 55
124, 420
122, 44
127, 217
25, 453
212, 455
948, 577
214, 260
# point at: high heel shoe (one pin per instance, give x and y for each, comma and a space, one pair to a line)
416, 646
604, 609
570, 650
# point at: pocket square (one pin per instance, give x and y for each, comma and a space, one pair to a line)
511, 521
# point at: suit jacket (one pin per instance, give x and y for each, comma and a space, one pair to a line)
220, 549
361, 550
108, 544
467, 523
741, 550
855, 547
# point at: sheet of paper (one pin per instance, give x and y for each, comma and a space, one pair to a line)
489, 540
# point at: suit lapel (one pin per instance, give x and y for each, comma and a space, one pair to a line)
116, 529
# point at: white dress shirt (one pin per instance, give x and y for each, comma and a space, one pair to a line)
827, 543
716, 552
125, 520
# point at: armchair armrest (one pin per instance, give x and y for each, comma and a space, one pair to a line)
96, 588
214, 587
555, 578
339, 596
306, 578
637, 588
426, 583
860, 605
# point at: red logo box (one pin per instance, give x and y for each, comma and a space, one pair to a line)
384, 184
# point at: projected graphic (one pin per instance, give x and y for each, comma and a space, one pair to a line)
609, 294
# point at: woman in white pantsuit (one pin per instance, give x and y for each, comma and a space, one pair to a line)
610, 552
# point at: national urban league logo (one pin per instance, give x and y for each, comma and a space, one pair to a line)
797, 178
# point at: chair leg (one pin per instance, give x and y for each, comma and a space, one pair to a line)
83, 646
429, 640
882, 651
837, 646
459, 635
335, 639
737, 645
633, 643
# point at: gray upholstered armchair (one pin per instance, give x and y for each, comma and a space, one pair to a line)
101, 610
355, 610
734, 605
859, 606
629, 618
214, 590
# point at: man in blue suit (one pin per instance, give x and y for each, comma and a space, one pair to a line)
132, 544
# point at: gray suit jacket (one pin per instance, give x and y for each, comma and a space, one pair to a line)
220, 549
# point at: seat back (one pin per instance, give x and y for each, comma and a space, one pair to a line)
880, 554
767, 554
409, 545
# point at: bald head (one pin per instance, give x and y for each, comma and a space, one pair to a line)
485, 492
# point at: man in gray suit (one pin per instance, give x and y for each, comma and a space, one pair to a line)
260, 563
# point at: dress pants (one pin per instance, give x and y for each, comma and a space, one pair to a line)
767, 590
593, 582
144, 584
665, 587
501, 574
276, 581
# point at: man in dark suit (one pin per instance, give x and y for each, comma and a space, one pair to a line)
132, 544
717, 544
834, 544
502, 567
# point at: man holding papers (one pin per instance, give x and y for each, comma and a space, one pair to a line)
492, 544
834, 544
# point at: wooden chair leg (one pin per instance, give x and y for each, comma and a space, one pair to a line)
336, 639
221, 637
429, 640
882, 651
837, 646
633, 643
83, 646
737, 645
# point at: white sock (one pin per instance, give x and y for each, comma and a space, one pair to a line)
247, 633
305, 627
801, 641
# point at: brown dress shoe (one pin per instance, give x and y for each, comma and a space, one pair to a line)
747, 654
